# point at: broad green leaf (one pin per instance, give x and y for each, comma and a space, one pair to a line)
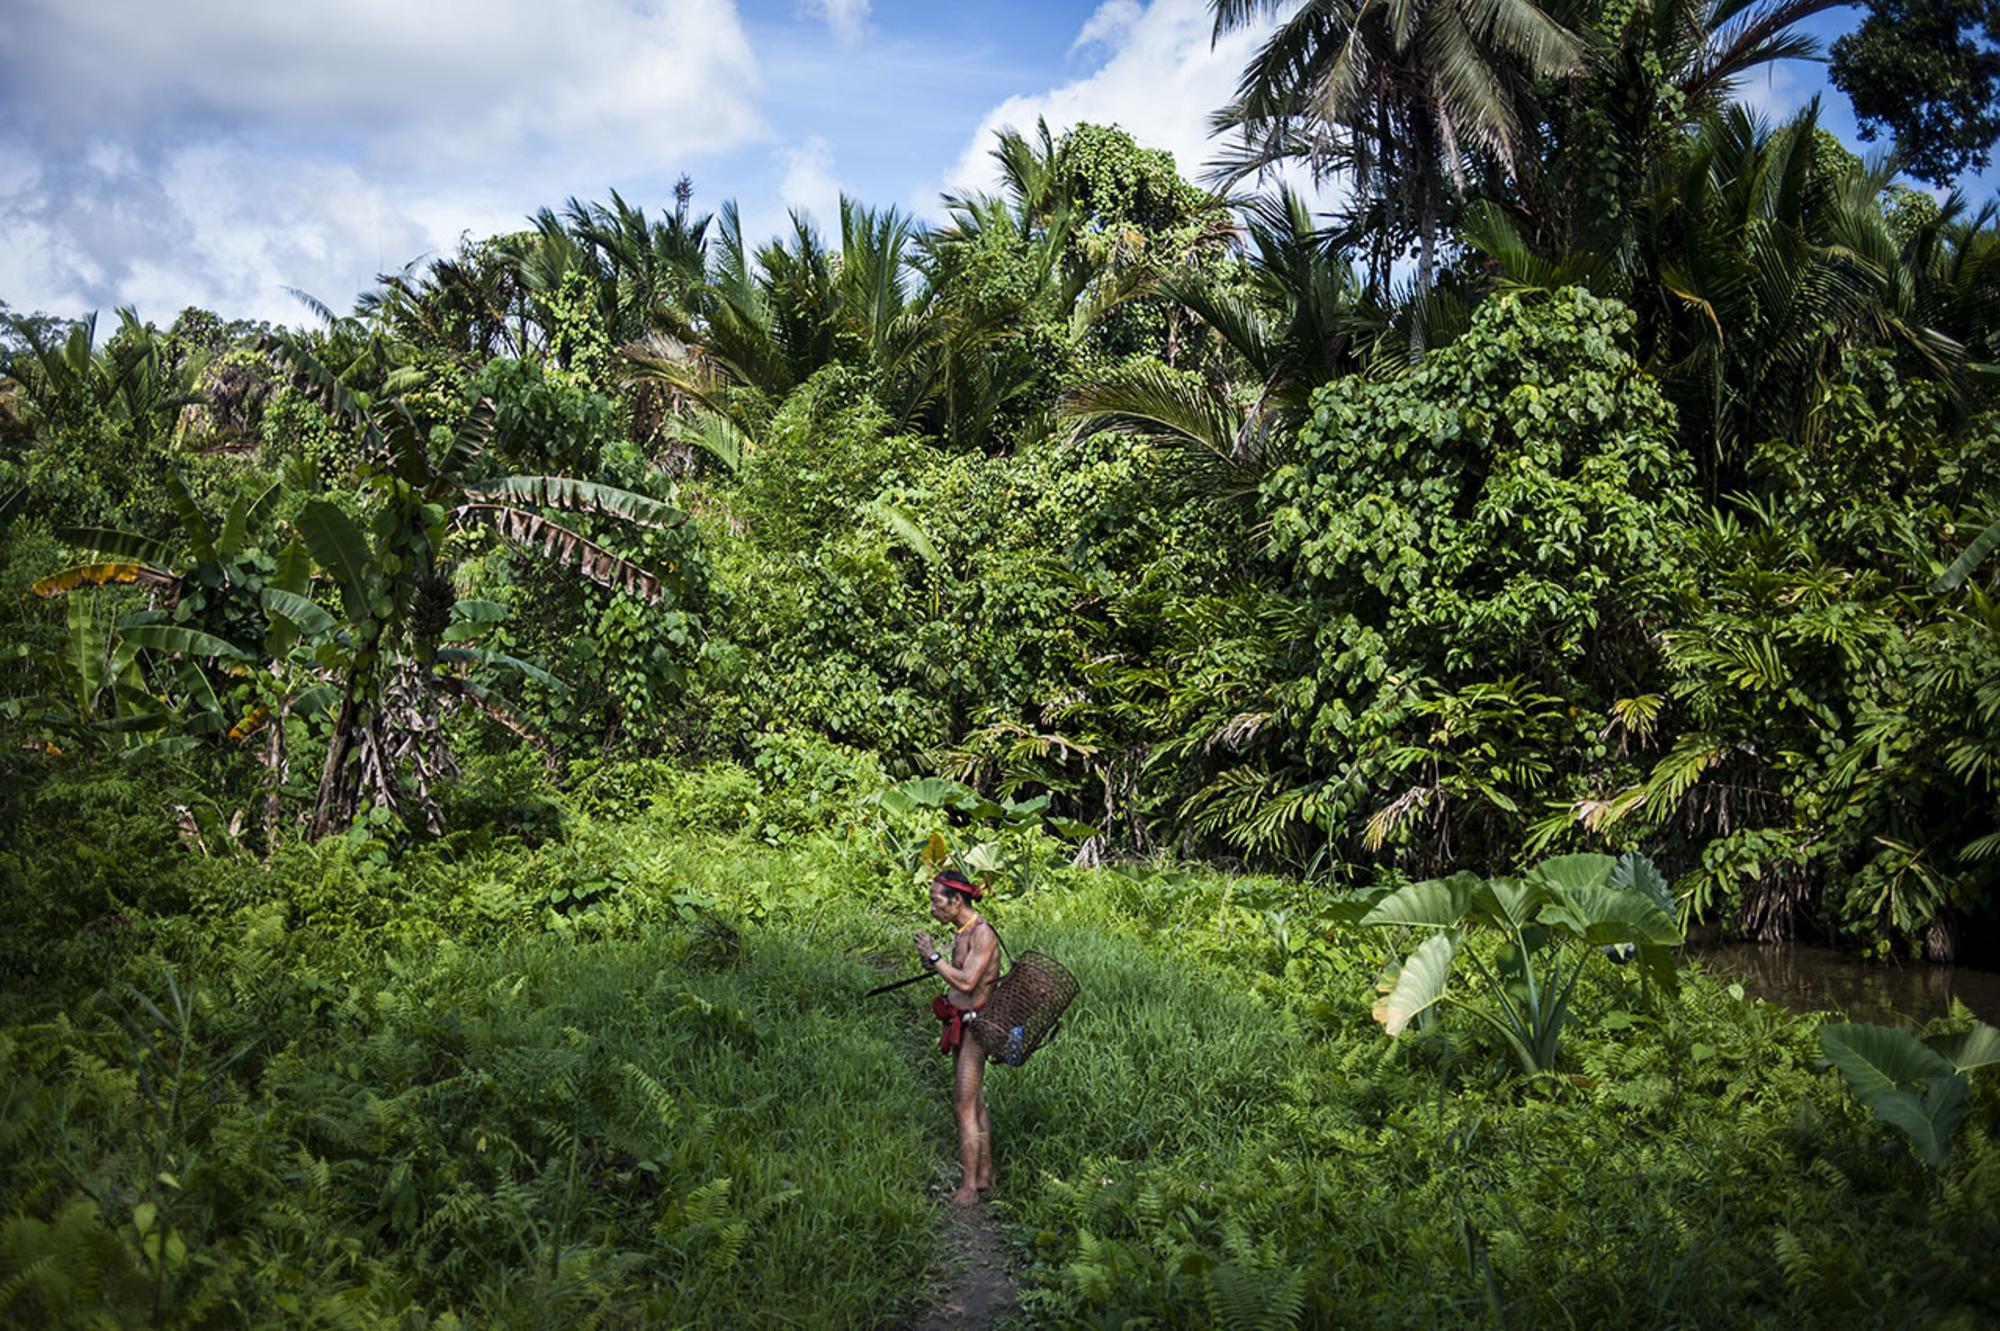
1969, 559
1875, 1059
475, 611
201, 536
1572, 871
1604, 914
576, 496
86, 651
904, 527
338, 546
1072, 829
294, 569
1928, 1121
1636, 873
1419, 984
299, 611
316, 699
118, 544
1436, 903
183, 641
1966, 1050
1510, 900
500, 660
235, 528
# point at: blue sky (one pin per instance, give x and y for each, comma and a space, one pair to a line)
215, 152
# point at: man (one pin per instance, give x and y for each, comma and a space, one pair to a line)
972, 971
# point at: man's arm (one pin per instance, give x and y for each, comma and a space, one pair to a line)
978, 956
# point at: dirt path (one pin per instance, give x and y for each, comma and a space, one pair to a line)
975, 1288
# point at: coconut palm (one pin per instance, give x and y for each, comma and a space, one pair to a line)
1403, 95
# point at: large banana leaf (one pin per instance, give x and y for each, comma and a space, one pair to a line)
338, 546
118, 544
183, 641
201, 536
579, 552
300, 612
1437, 903
576, 496
484, 656
1419, 984
101, 575
1877, 1059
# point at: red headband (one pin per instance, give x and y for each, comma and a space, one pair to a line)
959, 884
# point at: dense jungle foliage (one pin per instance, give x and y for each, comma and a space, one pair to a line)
443, 751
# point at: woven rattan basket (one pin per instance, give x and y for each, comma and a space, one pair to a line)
1026, 1007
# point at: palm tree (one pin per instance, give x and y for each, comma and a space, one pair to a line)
1401, 94
1293, 318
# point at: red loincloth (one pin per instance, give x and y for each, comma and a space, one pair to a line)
953, 1017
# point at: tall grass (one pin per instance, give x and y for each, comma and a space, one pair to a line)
626, 1078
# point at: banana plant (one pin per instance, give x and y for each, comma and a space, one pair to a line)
1550, 923
392, 643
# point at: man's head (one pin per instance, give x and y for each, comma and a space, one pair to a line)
952, 894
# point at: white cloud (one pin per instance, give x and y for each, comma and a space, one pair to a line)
1108, 24
844, 17
1775, 92
212, 152
809, 185
1161, 79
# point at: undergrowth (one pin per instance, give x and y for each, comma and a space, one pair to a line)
620, 1074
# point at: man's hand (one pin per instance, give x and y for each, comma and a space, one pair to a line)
924, 945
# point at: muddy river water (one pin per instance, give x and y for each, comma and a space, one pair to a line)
1805, 978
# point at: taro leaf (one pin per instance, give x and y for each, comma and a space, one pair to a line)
984, 859
1930, 1121
1659, 963
184, 641
338, 546
579, 552
117, 544
1419, 984
1875, 1059
1604, 914
1966, 1050
579, 497
1636, 873
1072, 829
103, 575
1510, 900
300, 612
1436, 903
1565, 872
935, 792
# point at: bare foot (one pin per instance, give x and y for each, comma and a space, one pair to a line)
986, 1184
965, 1196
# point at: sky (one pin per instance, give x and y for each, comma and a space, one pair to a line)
220, 153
